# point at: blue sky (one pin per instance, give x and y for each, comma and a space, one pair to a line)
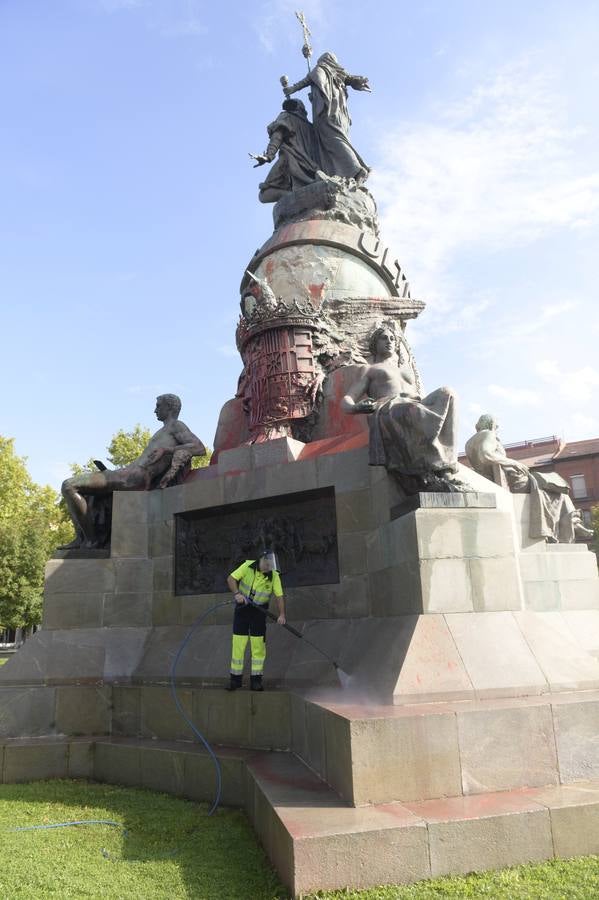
129, 206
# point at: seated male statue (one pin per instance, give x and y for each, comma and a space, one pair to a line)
412, 436
163, 461
552, 513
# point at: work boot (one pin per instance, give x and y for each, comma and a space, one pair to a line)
235, 683
256, 683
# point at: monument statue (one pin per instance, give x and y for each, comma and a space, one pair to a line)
163, 462
315, 289
414, 437
328, 82
291, 135
552, 513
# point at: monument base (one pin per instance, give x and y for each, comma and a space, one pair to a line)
464, 735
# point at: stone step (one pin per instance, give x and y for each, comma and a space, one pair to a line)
314, 838
376, 754
423, 751
317, 842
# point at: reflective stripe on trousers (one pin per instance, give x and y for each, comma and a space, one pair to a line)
258, 651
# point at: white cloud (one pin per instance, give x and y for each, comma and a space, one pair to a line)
578, 386
515, 396
495, 170
275, 24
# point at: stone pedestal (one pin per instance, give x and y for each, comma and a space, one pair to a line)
470, 670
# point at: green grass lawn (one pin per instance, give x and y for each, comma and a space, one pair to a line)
171, 849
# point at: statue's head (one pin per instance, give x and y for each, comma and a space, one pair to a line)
296, 107
327, 57
167, 404
486, 422
383, 340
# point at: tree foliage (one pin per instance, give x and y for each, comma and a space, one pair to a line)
126, 446
31, 525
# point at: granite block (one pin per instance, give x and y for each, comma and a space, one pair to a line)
160, 539
270, 720
166, 608
127, 610
433, 668
564, 663
473, 834
200, 779
202, 493
130, 508
129, 540
27, 711
80, 759
162, 769
579, 594
354, 511
352, 550
73, 610
348, 471
82, 710
79, 576
446, 586
117, 763
35, 762
160, 717
133, 576
574, 811
163, 574
290, 477
407, 758
502, 749
447, 533
495, 584
126, 711
576, 729
497, 658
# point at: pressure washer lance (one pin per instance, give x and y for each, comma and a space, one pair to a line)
299, 635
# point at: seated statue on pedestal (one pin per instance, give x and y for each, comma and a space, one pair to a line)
552, 513
414, 437
164, 462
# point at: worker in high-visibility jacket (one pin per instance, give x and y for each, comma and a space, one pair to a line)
253, 584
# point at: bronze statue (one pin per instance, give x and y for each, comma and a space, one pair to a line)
291, 135
414, 437
328, 82
163, 462
553, 516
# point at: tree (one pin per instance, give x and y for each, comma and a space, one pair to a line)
126, 446
31, 525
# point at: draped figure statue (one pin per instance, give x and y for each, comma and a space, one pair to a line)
328, 82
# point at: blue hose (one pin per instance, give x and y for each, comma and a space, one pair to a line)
182, 712
68, 824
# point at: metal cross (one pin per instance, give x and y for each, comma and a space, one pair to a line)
307, 47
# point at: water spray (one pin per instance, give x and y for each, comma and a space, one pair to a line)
343, 676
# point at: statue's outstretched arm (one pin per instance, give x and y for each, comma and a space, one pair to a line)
358, 83
276, 139
298, 86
